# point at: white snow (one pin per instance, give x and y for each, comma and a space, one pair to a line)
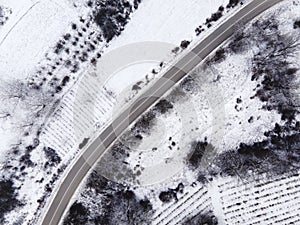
213, 110
33, 29
210, 110
207, 112
261, 201
167, 22
28, 39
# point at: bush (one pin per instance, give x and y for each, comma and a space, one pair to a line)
78, 214
198, 149
83, 143
4, 11
184, 44
187, 84
67, 36
119, 151
163, 106
26, 159
8, 198
297, 24
171, 194
202, 219
59, 47
218, 57
214, 17
136, 3
120, 204
167, 196
278, 154
232, 3
65, 80
51, 155
111, 17
145, 122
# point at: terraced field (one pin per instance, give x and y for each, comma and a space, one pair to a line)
190, 204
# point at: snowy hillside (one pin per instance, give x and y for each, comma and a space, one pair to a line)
51, 103
222, 147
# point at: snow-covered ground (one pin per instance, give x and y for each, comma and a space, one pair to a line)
5, 13
29, 34
27, 42
85, 106
216, 105
32, 28
263, 201
220, 108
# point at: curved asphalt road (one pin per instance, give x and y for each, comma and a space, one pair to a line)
97, 148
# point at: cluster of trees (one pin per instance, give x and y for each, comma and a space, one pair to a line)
233, 3
218, 57
279, 153
119, 205
119, 151
214, 17
111, 16
271, 63
201, 157
240, 42
187, 84
198, 149
78, 214
147, 120
207, 218
163, 106
8, 198
33, 104
171, 194
52, 156
85, 46
49, 186
4, 14
36, 97
296, 24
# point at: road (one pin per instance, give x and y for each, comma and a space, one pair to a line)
185, 64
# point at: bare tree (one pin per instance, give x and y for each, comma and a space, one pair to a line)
22, 102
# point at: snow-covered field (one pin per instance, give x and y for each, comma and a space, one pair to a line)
203, 114
30, 35
54, 45
193, 202
28, 44
263, 201
234, 201
32, 28
218, 104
